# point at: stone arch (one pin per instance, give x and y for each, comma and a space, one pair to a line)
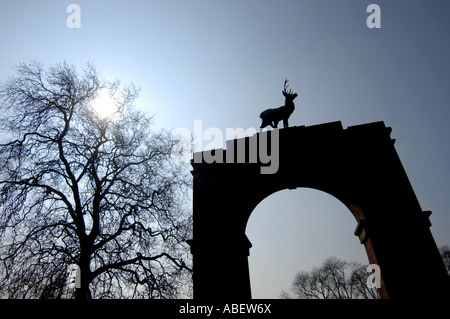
352, 207
311, 223
358, 165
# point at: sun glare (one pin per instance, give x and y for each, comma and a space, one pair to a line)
104, 104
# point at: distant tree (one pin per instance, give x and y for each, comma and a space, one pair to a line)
334, 279
445, 254
76, 187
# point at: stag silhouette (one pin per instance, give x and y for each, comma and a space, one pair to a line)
273, 116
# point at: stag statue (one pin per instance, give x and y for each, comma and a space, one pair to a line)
273, 116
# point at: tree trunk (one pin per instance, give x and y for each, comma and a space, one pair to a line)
82, 291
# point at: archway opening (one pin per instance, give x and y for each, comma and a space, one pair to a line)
295, 230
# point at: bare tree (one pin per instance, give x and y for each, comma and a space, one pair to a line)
78, 188
445, 254
334, 279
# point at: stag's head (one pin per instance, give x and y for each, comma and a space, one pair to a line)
289, 95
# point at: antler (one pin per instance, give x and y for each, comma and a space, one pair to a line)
286, 87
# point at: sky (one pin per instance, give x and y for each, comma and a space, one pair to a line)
223, 62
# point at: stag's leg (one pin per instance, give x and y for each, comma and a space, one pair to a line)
275, 124
265, 123
285, 123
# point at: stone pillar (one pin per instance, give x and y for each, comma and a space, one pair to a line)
221, 269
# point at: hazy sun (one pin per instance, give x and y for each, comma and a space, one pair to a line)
104, 104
